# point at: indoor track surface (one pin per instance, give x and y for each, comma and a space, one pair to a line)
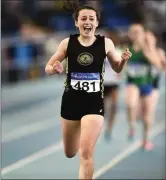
32, 138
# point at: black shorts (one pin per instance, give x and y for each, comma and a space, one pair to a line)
76, 104
109, 88
156, 82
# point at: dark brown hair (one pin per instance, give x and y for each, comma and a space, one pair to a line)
74, 6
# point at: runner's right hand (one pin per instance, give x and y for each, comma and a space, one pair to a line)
57, 67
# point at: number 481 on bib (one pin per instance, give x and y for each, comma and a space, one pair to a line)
88, 86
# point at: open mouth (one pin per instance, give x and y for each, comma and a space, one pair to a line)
87, 29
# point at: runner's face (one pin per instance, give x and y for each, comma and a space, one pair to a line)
136, 33
87, 22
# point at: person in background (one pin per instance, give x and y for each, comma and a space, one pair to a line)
111, 87
22, 54
152, 42
140, 82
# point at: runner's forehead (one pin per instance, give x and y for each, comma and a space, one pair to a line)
137, 28
87, 13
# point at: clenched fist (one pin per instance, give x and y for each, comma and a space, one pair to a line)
126, 55
57, 67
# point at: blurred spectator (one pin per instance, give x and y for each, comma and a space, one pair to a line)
11, 21
21, 55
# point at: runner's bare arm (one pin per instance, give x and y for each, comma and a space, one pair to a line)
59, 56
162, 57
153, 57
117, 62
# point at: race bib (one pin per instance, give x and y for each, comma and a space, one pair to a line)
89, 82
136, 70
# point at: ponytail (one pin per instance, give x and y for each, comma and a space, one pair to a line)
71, 5
74, 7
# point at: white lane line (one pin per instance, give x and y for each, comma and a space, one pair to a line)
54, 148
30, 129
34, 157
127, 152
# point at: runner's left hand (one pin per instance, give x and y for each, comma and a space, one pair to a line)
126, 55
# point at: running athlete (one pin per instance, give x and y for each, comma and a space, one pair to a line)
82, 101
140, 82
151, 41
111, 91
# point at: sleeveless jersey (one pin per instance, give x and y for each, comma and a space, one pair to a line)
85, 65
139, 69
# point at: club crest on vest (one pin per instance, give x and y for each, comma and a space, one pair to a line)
85, 59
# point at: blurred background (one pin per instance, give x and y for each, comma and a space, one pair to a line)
31, 30
30, 103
